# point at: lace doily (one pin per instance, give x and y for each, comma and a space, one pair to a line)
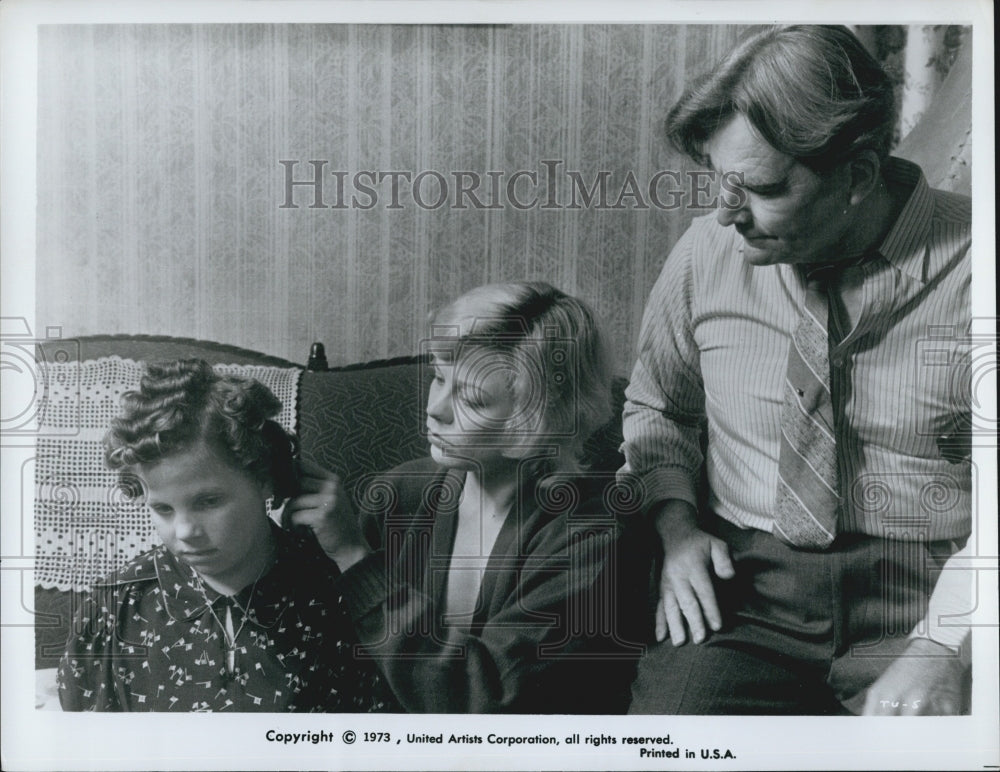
84, 527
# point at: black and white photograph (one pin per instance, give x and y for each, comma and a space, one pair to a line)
475, 385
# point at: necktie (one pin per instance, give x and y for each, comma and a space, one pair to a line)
808, 482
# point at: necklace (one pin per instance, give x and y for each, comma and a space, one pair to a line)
227, 627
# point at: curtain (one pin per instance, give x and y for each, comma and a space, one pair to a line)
917, 58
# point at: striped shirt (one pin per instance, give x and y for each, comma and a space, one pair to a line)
713, 352
712, 359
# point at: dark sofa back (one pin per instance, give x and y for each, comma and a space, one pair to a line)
364, 420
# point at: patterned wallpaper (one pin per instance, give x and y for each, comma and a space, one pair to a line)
161, 182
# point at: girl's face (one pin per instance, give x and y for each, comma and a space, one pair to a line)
468, 406
209, 513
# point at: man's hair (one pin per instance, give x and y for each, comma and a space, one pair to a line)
184, 402
812, 92
554, 352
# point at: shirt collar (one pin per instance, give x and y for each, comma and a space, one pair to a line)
905, 246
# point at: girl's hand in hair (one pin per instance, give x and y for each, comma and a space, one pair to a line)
324, 507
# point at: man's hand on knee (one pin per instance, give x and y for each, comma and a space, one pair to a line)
690, 557
925, 681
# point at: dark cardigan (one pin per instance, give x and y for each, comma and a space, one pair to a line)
560, 615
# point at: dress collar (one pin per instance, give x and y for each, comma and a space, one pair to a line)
183, 600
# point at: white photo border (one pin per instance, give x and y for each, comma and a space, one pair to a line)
41, 740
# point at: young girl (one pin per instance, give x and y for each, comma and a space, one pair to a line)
230, 613
500, 579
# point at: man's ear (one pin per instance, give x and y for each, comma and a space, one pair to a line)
866, 175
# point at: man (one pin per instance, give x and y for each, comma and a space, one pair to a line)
781, 354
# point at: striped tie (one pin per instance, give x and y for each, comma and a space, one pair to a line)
808, 482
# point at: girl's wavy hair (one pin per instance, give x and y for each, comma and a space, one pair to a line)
811, 91
555, 355
183, 402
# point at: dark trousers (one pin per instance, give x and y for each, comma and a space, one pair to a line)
805, 633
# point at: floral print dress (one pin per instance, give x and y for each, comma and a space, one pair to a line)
151, 638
